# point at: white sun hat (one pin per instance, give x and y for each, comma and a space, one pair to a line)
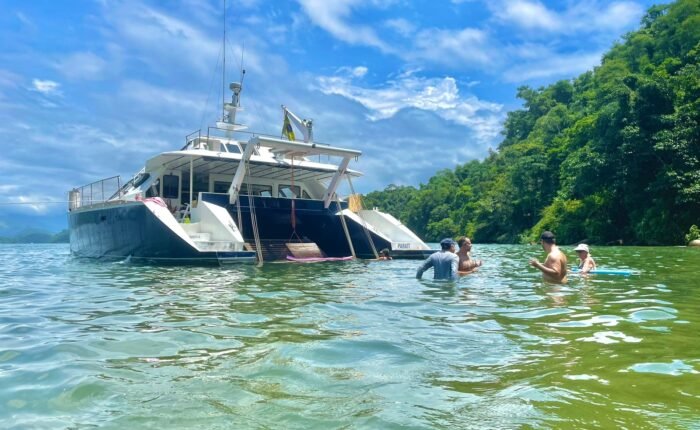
581, 247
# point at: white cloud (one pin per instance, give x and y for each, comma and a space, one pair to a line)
161, 40
588, 16
529, 14
81, 65
619, 15
400, 25
359, 71
6, 189
34, 203
208, 13
467, 46
553, 65
331, 15
46, 87
438, 95
277, 33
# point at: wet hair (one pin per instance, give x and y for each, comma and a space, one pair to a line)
446, 244
385, 252
462, 240
548, 237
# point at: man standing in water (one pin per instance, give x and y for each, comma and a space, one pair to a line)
466, 263
444, 263
554, 267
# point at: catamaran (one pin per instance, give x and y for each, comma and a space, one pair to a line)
233, 196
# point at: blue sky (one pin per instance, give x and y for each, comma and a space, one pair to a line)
90, 89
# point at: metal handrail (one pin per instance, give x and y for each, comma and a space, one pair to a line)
198, 134
94, 192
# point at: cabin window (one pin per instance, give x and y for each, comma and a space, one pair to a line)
171, 187
185, 185
201, 184
221, 187
257, 190
289, 191
233, 148
261, 190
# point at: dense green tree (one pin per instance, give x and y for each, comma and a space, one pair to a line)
611, 156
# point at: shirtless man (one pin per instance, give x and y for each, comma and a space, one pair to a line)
554, 267
466, 263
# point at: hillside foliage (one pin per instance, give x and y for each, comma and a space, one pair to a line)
612, 156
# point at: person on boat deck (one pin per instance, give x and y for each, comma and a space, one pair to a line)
466, 263
554, 267
384, 254
586, 262
445, 262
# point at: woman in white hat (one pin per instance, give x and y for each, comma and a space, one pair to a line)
586, 262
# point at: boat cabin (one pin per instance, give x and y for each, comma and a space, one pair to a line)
209, 164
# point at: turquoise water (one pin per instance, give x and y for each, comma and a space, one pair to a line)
348, 344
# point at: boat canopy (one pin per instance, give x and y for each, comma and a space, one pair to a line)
275, 163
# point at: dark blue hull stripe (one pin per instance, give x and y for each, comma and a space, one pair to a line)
131, 230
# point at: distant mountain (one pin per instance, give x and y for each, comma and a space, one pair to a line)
62, 236
37, 236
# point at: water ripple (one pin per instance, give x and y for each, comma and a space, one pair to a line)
347, 344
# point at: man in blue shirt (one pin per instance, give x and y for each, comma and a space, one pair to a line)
444, 263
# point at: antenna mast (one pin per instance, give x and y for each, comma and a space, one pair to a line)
228, 114
223, 72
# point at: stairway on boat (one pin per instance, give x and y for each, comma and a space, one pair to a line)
203, 240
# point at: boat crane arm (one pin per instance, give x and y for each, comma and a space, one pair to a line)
303, 125
234, 190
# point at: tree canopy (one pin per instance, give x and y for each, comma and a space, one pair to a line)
612, 156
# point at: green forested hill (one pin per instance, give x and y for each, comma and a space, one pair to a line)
37, 236
611, 155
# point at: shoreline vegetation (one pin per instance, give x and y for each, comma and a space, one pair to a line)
37, 236
609, 157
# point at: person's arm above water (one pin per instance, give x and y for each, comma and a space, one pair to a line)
549, 267
588, 265
427, 264
472, 262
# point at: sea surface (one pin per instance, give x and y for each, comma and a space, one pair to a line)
345, 345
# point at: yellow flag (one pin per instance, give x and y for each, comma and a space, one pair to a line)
287, 130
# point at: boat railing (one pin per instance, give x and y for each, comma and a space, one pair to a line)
96, 192
217, 132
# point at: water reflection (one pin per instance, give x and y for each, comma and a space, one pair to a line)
347, 344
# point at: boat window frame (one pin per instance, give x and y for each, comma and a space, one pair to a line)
303, 194
163, 182
230, 145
